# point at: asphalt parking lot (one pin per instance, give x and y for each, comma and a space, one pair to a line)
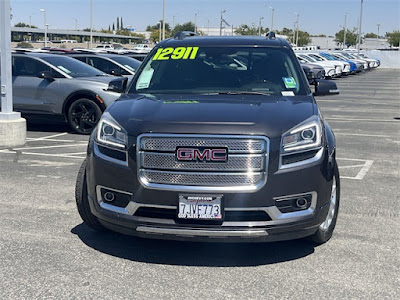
46, 251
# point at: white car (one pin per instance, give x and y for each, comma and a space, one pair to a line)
345, 65
331, 69
347, 55
142, 48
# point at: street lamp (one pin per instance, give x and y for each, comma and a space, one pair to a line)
379, 25
259, 26
272, 16
159, 23
297, 29
76, 23
359, 29
91, 24
163, 22
45, 26
345, 29
195, 22
220, 25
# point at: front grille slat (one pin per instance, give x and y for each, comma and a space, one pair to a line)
162, 161
245, 168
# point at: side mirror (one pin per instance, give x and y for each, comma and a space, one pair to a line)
46, 75
118, 85
310, 76
325, 87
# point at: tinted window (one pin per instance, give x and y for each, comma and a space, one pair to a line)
27, 66
72, 67
220, 69
106, 65
129, 63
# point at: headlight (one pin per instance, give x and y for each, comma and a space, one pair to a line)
110, 133
305, 136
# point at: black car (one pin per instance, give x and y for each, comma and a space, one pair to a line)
217, 139
113, 64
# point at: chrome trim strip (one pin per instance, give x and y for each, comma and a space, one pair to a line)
98, 153
206, 136
202, 232
316, 158
142, 155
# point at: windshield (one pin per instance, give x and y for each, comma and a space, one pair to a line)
307, 58
316, 57
328, 56
73, 67
129, 63
202, 70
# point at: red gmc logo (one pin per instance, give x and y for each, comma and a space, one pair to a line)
202, 154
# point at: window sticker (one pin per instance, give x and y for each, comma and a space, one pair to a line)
144, 79
287, 93
176, 53
289, 82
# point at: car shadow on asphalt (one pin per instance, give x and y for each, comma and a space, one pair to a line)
193, 253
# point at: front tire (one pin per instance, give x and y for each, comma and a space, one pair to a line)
325, 229
83, 115
82, 201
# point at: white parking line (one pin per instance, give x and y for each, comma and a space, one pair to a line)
66, 155
50, 136
364, 167
362, 120
54, 146
362, 134
53, 140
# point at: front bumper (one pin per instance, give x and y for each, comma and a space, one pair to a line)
311, 180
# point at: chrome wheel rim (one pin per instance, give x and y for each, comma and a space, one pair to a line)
332, 208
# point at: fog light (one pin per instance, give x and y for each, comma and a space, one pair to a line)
301, 203
109, 197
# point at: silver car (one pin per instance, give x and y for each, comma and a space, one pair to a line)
56, 85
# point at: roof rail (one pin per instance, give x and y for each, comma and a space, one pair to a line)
184, 34
271, 35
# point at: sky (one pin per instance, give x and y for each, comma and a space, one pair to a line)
316, 16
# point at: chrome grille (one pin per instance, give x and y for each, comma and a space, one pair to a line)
245, 169
236, 162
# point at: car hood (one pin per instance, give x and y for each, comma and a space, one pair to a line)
212, 114
104, 79
313, 66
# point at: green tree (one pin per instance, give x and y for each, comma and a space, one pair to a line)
371, 35
351, 37
393, 38
156, 27
118, 23
21, 24
304, 36
122, 24
250, 30
113, 27
188, 26
155, 35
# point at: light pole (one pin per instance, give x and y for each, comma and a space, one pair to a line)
345, 29
163, 22
173, 22
91, 24
159, 23
220, 25
195, 22
379, 25
259, 26
359, 29
297, 29
76, 23
272, 17
45, 26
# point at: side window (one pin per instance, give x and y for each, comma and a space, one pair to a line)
102, 64
26, 66
81, 58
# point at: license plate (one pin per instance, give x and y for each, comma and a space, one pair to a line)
202, 207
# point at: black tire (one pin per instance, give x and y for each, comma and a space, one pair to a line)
322, 236
82, 203
83, 115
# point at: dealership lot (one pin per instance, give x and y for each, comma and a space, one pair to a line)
48, 253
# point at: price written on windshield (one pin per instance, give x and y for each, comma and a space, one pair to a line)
176, 53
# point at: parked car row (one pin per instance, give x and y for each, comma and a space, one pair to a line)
335, 64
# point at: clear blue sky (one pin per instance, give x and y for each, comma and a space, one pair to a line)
322, 16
